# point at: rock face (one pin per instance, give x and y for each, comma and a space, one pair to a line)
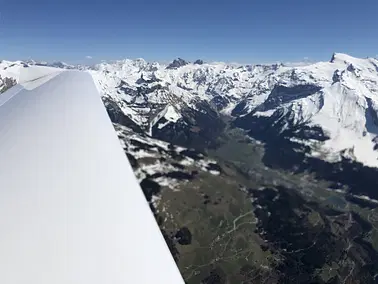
177, 63
6, 83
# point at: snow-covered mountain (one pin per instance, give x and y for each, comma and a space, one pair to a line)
10, 73
220, 84
181, 102
338, 99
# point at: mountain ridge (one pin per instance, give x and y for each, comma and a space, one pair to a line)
340, 96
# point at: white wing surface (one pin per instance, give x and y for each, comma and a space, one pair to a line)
71, 209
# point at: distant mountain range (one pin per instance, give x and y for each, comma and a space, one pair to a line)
339, 98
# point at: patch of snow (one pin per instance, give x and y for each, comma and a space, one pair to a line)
143, 154
155, 200
367, 198
162, 125
171, 114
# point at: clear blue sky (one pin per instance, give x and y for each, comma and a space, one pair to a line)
247, 31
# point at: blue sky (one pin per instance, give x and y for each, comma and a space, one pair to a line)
245, 31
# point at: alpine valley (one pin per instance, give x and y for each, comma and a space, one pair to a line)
255, 173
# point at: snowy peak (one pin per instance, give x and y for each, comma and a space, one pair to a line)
55, 64
12, 66
341, 57
353, 63
127, 66
177, 63
345, 59
59, 64
10, 73
339, 97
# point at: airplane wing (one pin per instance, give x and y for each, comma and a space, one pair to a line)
71, 209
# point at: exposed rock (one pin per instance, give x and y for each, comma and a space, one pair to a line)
177, 63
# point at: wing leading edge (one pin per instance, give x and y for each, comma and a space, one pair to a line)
71, 209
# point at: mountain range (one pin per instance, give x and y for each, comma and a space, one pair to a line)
339, 97
304, 136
